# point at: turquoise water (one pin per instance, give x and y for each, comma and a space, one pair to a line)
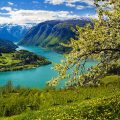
35, 78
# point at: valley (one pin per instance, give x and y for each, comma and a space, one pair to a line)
37, 77
43, 40
60, 60
51, 34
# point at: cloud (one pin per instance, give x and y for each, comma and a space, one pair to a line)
80, 7
10, 3
6, 8
35, 2
33, 16
93, 16
71, 3
57, 2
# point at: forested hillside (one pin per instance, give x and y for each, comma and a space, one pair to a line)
7, 46
51, 34
21, 59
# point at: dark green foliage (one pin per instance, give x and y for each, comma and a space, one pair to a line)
115, 68
7, 46
28, 57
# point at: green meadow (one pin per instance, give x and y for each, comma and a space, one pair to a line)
101, 102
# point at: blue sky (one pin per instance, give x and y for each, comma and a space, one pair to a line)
36, 11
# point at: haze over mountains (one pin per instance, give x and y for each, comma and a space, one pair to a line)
13, 32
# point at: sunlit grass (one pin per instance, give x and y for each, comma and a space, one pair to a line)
83, 103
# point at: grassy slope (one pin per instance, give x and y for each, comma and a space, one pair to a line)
9, 63
95, 103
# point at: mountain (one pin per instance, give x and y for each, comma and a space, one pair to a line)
50, 34
13, 32
7, 46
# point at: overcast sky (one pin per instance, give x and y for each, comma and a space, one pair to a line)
36, 11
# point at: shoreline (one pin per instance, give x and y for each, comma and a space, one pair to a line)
20, 60
25, 68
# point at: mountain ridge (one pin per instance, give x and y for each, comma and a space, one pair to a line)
13, 32
50, 34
